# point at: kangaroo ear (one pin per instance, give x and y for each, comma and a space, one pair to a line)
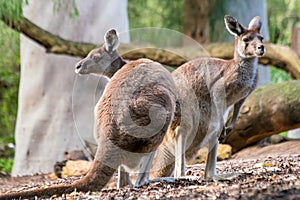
233, 26
255, 24
111, 40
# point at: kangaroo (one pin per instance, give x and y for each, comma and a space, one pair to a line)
131, 119
207, 88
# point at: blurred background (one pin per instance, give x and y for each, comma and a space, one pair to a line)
282, 17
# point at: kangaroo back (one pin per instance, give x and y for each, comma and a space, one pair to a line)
131, 117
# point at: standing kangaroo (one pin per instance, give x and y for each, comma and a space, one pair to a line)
217, 84
131, 118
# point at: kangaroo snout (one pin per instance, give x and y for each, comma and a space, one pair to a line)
78, 68
260, 50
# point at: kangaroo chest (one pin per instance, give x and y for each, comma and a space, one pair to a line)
240, 83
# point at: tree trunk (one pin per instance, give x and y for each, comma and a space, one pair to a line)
195, 20
295, 44
269, 110
56, 106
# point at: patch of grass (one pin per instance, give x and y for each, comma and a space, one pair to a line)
6, 165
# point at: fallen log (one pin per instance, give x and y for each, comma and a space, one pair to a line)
269, 110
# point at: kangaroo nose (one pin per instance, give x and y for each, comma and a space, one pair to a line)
78, 66
261, 49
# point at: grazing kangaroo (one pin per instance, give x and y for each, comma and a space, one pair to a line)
131, 119
217, 84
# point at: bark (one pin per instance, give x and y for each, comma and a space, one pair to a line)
295, 44
279, 56
195, 20
269, 110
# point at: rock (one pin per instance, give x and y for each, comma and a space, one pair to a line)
224, 152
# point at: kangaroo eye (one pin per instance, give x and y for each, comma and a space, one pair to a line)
96, 58
246, 39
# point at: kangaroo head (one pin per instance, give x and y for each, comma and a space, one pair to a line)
249, 41
98, 60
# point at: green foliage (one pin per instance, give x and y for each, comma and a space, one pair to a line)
283, 15
12, 9
156, 13
9, 82
6, 165
279, 75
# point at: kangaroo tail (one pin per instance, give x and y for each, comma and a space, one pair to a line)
97, 177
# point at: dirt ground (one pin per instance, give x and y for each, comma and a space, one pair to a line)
271, 172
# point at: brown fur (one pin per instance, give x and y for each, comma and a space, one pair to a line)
151, 86
217, 84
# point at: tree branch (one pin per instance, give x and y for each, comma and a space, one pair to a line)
279, 56
52, 43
